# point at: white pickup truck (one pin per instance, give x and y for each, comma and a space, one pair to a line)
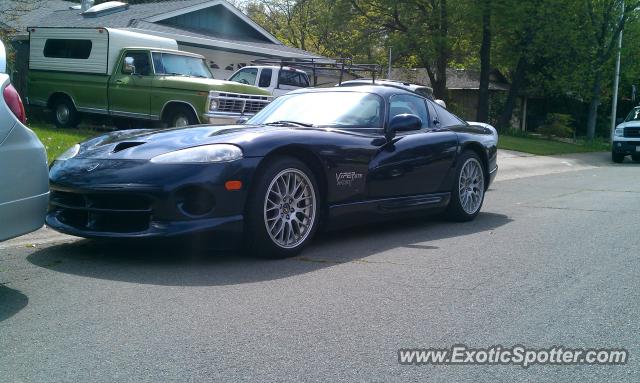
275, 79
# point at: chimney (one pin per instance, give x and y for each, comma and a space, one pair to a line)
86, 4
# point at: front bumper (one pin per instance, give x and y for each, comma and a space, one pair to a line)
492, 176
223, 225
139, 199
224, 118
626, 147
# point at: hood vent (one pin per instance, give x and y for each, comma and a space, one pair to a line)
125, 145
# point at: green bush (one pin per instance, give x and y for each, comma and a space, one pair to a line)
557, 125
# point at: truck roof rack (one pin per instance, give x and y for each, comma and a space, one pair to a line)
320, 64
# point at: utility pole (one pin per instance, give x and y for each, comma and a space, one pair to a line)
389, 71
616, 82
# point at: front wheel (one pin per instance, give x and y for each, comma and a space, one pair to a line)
282, 215
617, 157
467, 195
180, 116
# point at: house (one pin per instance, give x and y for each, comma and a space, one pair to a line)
227, 38
463, 86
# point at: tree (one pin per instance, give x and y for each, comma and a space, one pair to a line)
485, 63
418, 30
605, 20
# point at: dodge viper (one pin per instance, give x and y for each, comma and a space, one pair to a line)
330, 157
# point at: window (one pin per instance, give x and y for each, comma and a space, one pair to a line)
180, 65
265, 78
245, 76
67, 49
634, 115
347, 110
432, 113
407, 104
446, 119
293, 78
140, 62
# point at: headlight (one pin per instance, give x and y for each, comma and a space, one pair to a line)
200, 154
213, 105
619, 132
69, 153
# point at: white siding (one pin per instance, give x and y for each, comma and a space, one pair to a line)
96, 63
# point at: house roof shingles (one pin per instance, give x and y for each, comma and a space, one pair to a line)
58, 14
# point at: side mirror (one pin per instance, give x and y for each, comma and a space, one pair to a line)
403, 123
129, 67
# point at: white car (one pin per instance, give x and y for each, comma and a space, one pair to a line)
275, 79
24, 175
626, 138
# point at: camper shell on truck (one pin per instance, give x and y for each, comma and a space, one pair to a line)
130, 75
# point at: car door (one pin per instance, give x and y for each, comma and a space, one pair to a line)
415, 162
130, 93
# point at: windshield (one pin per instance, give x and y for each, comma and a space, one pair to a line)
634, 115
180, 65
344, 109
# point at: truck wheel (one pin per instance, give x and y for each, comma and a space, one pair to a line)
617, 157
467, 195
180, 116
65, 114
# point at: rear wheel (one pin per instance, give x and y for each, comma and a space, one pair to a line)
467, 195
282, 215
617, 157
65, 114
180, 116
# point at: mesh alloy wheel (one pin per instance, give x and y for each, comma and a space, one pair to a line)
290, 208
471, 186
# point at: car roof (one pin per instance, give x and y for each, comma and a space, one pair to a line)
381, 90
398, 83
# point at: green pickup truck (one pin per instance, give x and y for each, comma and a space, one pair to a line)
129, 75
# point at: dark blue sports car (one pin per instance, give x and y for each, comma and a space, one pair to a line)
331, 157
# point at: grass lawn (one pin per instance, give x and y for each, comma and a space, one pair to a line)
547, 147
58, 140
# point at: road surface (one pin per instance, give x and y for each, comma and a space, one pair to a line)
552, 260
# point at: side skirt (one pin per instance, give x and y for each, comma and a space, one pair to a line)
380, 209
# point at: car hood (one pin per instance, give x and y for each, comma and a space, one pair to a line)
206, 85
146, 144
629, 124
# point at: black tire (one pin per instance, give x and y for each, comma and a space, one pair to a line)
617, 157
258, 241
635, 157
456, 210
65, 114
178, 115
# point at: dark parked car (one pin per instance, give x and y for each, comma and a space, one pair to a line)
316, 156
